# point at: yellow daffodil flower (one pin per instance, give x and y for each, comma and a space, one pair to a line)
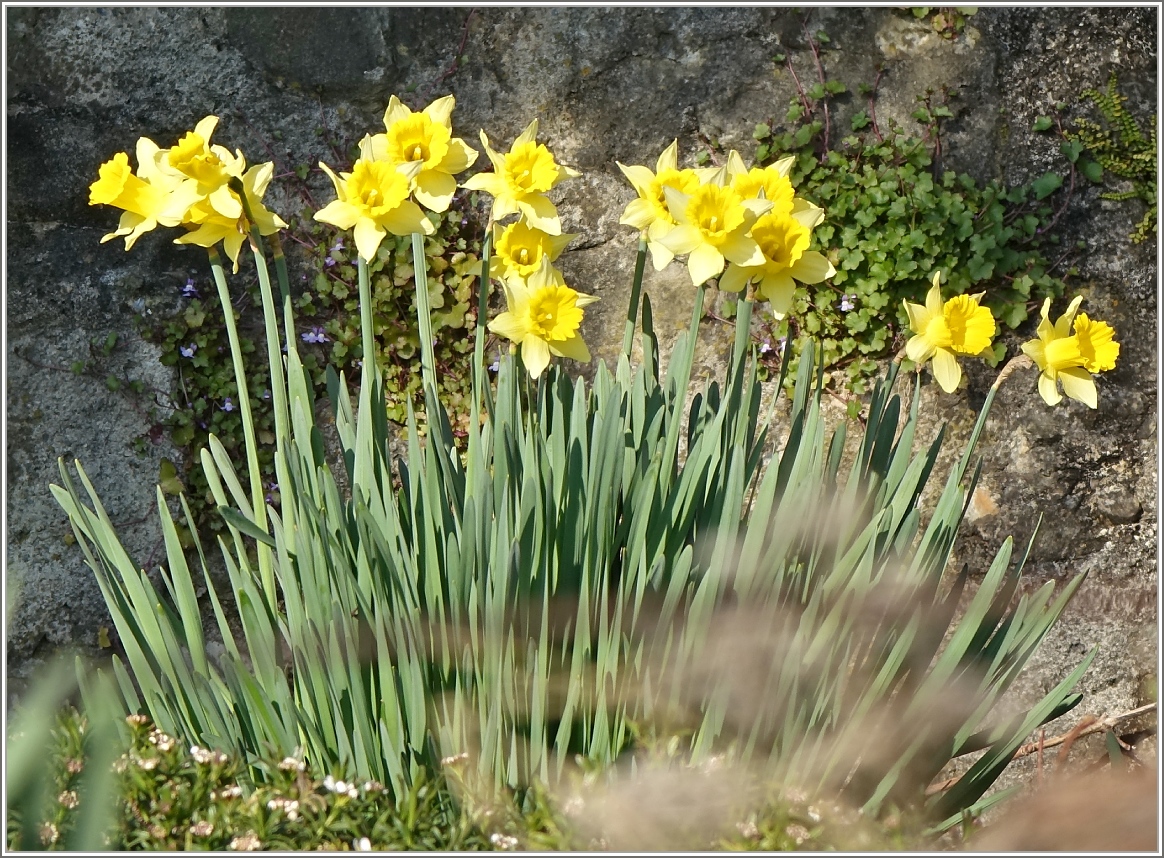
713, 224
772, 181
1069, 358
783, 239
373, 199
149, 198
543, 318
212, 167
521, 179
941, 331
424, 138
518, 250
649, 213
209, 226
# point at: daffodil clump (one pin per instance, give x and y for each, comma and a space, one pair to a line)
1067, 352
584, 496
749, 221
192, 184
543, 315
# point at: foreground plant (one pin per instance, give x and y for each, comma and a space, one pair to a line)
532, 596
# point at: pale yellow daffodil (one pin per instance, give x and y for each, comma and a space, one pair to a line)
649, 212
1068, 358
712, 227
543, 317
149, 198
960, 326
209, 226
520, 180
212, 167
374, 200
518, 250
783, 238
425, 139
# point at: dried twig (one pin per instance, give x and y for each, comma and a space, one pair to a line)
1087, 725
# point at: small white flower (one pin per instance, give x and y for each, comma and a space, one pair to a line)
503, 841
246, 842
748, 829
362, 845
454, 759
163, 741
48, 834
69, 799
290, 764
202, 828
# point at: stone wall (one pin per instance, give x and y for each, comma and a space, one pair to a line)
606, 84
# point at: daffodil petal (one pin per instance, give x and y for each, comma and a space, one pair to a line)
535, 353
406, 219
395, 112
946, 370
639, 177
741, 250
1078, 384
368, 237
778, 290
490, 183
812, 267
638, 214
661, 257
704, 263
669, 158
573, 348
460, 156
529, 135
735, 278
338, 213
508, 325
441, 110
919, 349
541, 213
434, 190
1049, 390
682, 239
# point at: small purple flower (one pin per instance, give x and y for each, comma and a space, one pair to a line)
329, 262
188, 291
188, 351
358, 363
266, 394
765, 347
847, 303
315, 335
227, 405
338, 246
495, 366
781, 343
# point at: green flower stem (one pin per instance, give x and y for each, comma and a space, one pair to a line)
632, 313
423, 313
257, 498
368, 338
482, 313
743, 331
274, 355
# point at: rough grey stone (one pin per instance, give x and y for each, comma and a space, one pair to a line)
606, 84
